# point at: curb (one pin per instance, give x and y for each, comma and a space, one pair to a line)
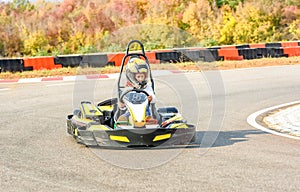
260, 115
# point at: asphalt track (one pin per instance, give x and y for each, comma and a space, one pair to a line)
38, 155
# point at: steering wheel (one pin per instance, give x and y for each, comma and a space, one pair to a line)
133, 89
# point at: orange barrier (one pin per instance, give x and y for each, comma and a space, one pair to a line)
152, 57
40, 63
258, 45
292, 51
115, 58
289, 44
230, 54
228, 47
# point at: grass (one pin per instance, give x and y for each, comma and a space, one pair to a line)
189, 66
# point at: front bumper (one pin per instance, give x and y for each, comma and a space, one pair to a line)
137, 137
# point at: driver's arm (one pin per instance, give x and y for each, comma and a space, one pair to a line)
150, 91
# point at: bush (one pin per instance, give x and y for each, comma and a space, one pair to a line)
85, 26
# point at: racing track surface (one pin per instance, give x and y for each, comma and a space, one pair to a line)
38, 155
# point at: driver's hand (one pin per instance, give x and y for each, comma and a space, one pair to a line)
121, 105
149, 98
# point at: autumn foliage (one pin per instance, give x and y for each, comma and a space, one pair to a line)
87, 26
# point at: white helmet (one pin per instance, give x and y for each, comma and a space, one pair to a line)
136, 66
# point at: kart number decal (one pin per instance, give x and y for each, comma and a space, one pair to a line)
136, 98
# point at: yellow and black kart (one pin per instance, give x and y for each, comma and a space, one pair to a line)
97, 124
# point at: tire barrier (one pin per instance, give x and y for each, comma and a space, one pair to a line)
273, 45
218, 53
115, 59
169, 57
205, 55
94, 60
249, 53
11, 65
271, 52
68, 60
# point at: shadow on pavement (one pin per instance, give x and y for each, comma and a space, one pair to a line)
205, 139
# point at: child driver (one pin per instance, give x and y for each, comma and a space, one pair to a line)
137, 75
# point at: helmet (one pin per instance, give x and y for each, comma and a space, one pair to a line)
137, 66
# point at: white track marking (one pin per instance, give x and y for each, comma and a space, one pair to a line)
252, 120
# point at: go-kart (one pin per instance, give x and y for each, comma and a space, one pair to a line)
98, 125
